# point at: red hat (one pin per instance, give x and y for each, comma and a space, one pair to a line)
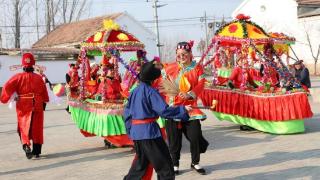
28, 60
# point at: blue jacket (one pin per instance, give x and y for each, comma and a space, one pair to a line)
145, 102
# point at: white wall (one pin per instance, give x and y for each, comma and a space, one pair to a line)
310, 25
55, 70
272, 15
282, 16
6, 62
146, 36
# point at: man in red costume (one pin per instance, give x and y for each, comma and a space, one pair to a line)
190, 78
32, 94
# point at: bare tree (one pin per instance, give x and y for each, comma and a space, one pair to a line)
52, 8
314, 47
72, 10
48, 16
18, 6
66, 10
315, 56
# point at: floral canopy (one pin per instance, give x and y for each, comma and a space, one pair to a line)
111, 36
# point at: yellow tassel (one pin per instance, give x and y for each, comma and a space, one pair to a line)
108, 24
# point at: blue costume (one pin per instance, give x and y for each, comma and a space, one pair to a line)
144, 107
146, 104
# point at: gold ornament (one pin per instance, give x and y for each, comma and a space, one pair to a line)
97, 36
123, 37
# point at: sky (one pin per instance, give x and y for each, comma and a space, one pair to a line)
179, 20
186, 12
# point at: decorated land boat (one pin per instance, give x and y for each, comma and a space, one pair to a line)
277, 108
102, 116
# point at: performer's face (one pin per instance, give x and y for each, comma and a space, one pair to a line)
110, 73
297, 66
183, 56
158, 65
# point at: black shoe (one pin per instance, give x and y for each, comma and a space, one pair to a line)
27, 150
246, 128
67, 109
198, 169
36, 155
176, 170
109, 145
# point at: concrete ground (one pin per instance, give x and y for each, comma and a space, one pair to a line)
232, 154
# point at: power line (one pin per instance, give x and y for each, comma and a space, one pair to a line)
185, 19
176, 25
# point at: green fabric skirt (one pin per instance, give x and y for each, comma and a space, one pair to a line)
273, 127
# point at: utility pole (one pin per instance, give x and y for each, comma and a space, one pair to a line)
0, 40
206, 29
204, 19
156, 6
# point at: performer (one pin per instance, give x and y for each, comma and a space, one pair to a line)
32, 94
52, 97
270, 74
301, 73
94, 71
109, 86
144, 106
129, 81
72, 80
190, 78
238, 75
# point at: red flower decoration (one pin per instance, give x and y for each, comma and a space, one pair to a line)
191, 43
233, 28
242, 17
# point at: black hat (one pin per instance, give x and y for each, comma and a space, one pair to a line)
149, 72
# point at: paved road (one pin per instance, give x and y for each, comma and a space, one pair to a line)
232, 154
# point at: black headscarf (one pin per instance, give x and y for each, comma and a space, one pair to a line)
149, 73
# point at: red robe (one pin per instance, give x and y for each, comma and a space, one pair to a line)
194, 75
32, 94
110, 88
237, 77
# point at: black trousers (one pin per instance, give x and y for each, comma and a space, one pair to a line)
154, 151
36, 149
193, 133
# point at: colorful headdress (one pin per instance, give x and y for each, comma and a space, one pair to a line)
185, 45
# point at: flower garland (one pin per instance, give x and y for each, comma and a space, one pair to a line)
283, 72
106, 105
119, 59
204, 55
257, 93
83, 69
